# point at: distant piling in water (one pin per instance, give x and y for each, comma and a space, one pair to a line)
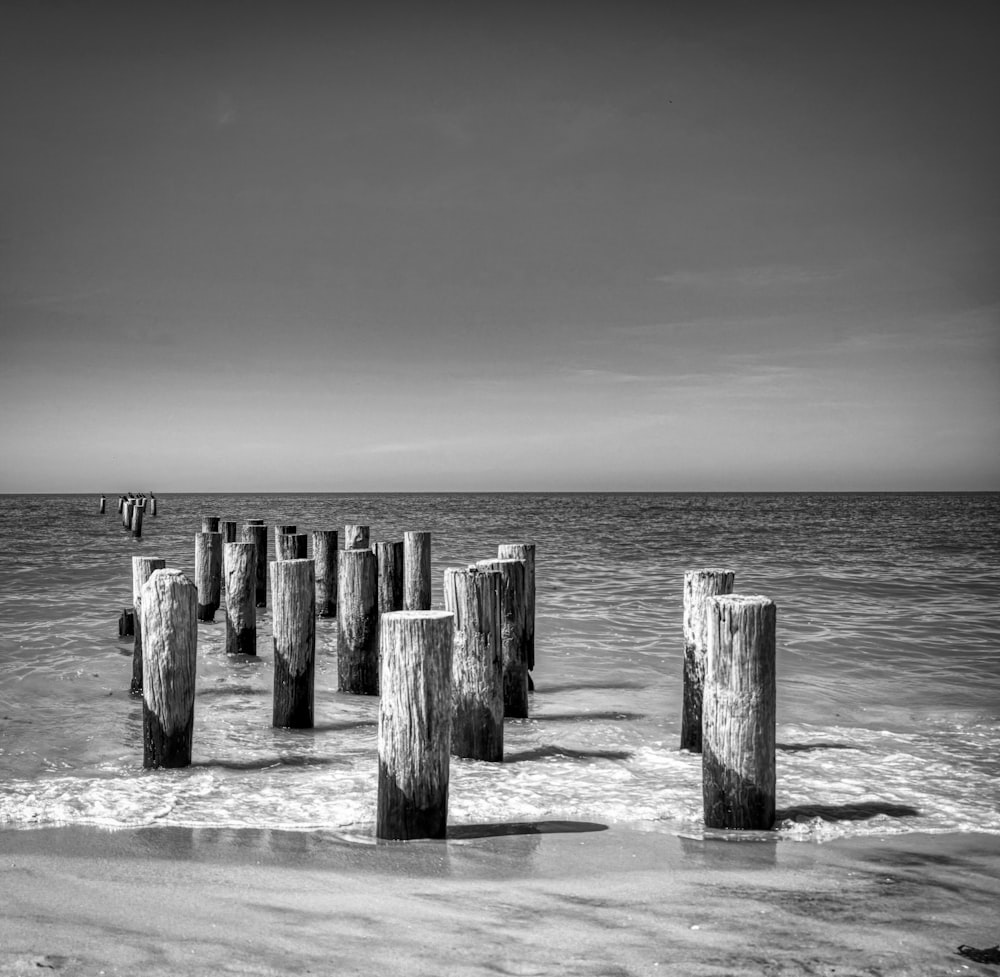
512, 631
170, 641
209, 524
389, 557
103, 504
357, 623
738, 719
137, 510
293, 598
208, 573
241, 609
414, 725
325, 559
291, 546
355, 537
699, 585
228, 529
417, 571
254, 531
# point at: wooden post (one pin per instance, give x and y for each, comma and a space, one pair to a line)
515, 658
152, 504
254, 531
417, 571
473, 596
137, 511
699, 585
127, 513
209, 524
142, 569
526, 553
104, 502
357, 623
414, 724
279, 530
241, 613
228, 529
208, 573
121, 504
169, 652
738, 717
293, 597
355, 537
389, 557
325, 558
126, 623
290, 546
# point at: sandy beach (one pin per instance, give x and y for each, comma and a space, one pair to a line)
544, 898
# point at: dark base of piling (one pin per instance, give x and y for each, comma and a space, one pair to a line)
136, 686
241, 642
515, 695
162, 750
400, 819
475, 735
293, 698
126, 623
328, 609
206, 612
358, 678
732, 801
691, 709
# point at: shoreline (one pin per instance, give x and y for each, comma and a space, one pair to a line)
546, 897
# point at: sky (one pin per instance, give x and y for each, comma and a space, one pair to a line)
337, 247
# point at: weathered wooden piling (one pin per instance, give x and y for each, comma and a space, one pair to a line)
127, 513
389, 557
126, 623
699, 585
208, 573
738, 718
137, 512
121, 504
169, 652
254, 531
209, 524
143, 568
104, 502
473, 596
288, 528
152, 504
357, 623
293, 598
512, 616
355, 537
290, 546
417, 571
414, 725
228, 529
325, 558
526, 553
241, 585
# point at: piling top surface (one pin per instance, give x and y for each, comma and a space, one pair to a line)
741, 600
416, 615
495, 563
719, 570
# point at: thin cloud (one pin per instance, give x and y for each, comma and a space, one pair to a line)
751, 277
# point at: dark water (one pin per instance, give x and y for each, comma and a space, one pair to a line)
888, 663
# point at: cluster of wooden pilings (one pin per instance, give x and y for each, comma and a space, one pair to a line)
446, 679
131, 508
729, 703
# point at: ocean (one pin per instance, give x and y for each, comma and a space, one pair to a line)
888, 661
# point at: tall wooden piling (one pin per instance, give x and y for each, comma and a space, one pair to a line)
293, 598
738, 718
355, 537
512, 635
121, 504
209, 524
699, 585
389, 557
137, 511
241, 586
526, 553
127, 513
414, 725
290, 546
254, 531
473, 596
417, 571
152, 504
325, 558
142, 569
357, 623
104, 502
169, 651
208, 573
228, 529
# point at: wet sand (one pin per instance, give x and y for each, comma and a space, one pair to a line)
548, 898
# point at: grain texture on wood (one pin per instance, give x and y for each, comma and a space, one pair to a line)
699, 585
169, 663
228, 529
208, 573
417, 571
241, 610
209, 524
389, 557
290, 546
254, 531
142, 570
355, 537
293, 599
738, 717
526, 553
473, 596
414, 725
325, 558
357, 622
137, 513
512, 614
